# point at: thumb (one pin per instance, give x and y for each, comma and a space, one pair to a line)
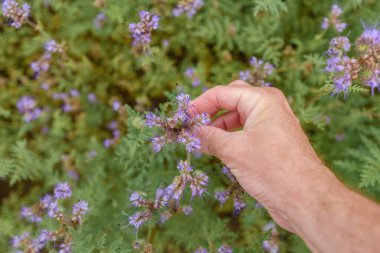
214, 141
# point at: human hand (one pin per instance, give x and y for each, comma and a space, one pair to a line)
270, 156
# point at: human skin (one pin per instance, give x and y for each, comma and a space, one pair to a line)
274, 162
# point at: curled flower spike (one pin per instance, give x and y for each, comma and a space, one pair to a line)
234, 190
333, 19
17, 15
142, 31
190, 7
181, 128
51, 46
259, 72
137, 200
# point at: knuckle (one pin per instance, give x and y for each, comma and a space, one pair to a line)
238, 82
276, 94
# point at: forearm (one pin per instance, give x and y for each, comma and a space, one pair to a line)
333, 218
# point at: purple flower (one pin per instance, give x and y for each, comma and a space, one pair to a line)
239, 204
53, 210
142, 31
137, 200
28, 214
18, 239
41, 65
100, 20
116, 105
162, 197
79, 209
187, 210
181, 128
270, 246
334, 20
259, 72
17, 15
222, 197
198, 184
201, 250
45, 86
225, 249
46, 200
190, 7
165, 216
74, 93
158, 143
190, 74
65, 247
62, 191
51, 46
92, 98
139, 218
152, 120
108, 143
226, 171
27, 107
112, 125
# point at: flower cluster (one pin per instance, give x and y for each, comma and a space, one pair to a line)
222, 249
100, 20
70, 99
142, 31
333, 19
170, 196
27, 107
112, 126
190, 7
259, 72
363, 66
48, 204
181, 128
190, 74
234, 190
17, 15
43, 64
271, 245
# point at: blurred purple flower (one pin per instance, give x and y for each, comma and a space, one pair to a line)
334, 20
142, 31
100, 20
190, 7
259, 72
17, 15
27, 107
62, 191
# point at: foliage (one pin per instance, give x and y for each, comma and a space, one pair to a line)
66, 142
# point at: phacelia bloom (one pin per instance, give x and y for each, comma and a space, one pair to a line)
46, 200
100, 20
198, 184
165, 216
107, 143
28, 214
201, 250
190, 74
54, 210
343, 68
225, 249
41, 65
92, 98
258, 74
162, 198
181, 128
17, 15
116, 105
27, 107
187, 210
65, 247
139, 218
62, 191
18, 240
137, 200
270, 246
334, 19
189, 7
234, 190
142, 31
74, 93
79, 210
51, 46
